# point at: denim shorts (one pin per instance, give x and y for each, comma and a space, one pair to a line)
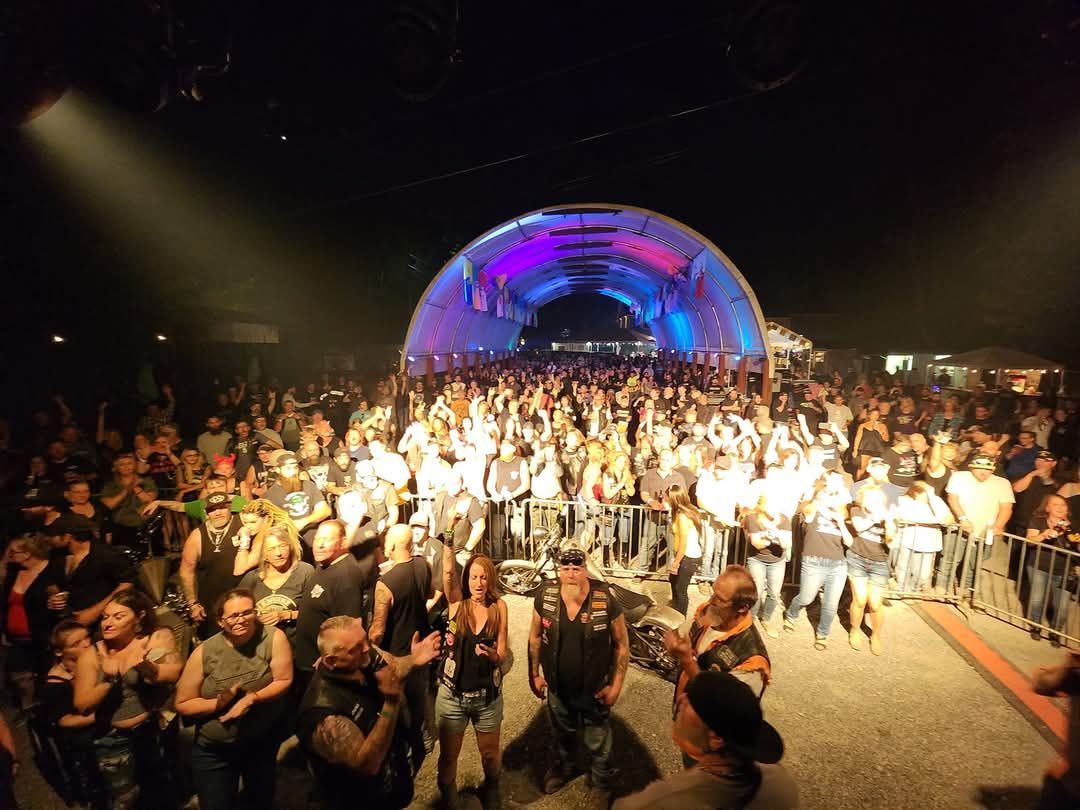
858, 567
455, 713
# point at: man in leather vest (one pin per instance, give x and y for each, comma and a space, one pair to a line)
350, 721
579, 639
721, 636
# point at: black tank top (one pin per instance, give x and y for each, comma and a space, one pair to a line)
475, 671
214, 571
409, 583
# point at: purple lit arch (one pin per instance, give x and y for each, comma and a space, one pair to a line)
636, 256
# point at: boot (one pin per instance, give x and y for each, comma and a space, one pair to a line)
490, 794
450, 800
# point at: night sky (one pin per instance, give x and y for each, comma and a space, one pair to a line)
919, 181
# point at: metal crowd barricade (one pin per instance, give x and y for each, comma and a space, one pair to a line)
942, 576
1029, 584
622, 538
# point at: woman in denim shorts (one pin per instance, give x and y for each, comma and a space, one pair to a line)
868, 563
470, 674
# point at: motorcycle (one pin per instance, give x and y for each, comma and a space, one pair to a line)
646, 621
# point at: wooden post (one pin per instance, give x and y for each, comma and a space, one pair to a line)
766, 382
743, 363
430, 363
721, 368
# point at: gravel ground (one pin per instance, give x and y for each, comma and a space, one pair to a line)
914, 728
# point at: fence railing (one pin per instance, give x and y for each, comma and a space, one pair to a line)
1031, 585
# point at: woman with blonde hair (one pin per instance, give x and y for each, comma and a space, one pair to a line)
191, 474
280, 581
591, 492
685, 545
257, 518
470, 675
618, 489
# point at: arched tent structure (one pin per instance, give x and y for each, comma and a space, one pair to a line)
675, 281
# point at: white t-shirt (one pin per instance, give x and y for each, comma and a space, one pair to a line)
979, 501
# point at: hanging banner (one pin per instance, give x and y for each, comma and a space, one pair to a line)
470, 281
698, 275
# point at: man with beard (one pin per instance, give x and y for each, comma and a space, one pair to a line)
244, 446
215, 440
206, 564
721, 635
300, 499
341, 474
578, 654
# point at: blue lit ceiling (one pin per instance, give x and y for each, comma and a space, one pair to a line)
684, 289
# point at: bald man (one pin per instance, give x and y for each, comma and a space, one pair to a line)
401, 597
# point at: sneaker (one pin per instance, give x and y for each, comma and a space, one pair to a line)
789, 625
1036, 634
1055, 640
855, 640
770, 630
820, 642
555, 780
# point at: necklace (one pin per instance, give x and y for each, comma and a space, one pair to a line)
217, 536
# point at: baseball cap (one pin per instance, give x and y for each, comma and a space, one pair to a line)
731, 710
877, 461
286, 457
982, 463
70, 523
1046, 455
219, 500
266, 448
418, 519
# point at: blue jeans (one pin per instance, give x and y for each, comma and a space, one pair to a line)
953, 545
217, 769
1059, 596
815, 572
652, 529
769, 580
717, 538
596, 719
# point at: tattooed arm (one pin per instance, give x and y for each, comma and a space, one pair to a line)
610, 693
337, 740
383, 600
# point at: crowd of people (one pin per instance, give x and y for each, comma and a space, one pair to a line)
337, 549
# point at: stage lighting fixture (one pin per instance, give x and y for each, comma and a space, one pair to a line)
768, 42
58, 339
160, 338
417, 46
